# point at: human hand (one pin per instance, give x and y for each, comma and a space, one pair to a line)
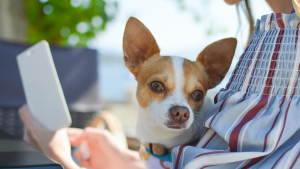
104, 150
55, 145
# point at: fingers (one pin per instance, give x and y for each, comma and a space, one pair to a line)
74, 132
27, 118
75, 136
85, 163
78, 154
97, 134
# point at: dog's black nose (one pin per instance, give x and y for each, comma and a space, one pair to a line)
180, 114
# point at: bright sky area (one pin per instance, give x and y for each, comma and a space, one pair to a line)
176, 31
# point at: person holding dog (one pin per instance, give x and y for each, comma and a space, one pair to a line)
254, 122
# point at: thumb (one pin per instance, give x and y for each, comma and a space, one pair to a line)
75, 136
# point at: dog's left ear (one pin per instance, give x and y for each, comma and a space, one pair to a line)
138, 45
216, 59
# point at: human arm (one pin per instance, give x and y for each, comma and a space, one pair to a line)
55, 145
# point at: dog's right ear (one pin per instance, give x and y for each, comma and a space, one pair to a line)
216, 59
138, 45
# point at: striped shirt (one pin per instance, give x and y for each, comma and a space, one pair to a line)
255, 121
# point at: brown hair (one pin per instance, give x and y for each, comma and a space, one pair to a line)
247, 10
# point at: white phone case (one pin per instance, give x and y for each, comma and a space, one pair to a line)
42, 88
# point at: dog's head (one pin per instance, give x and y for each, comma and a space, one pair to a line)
170, 88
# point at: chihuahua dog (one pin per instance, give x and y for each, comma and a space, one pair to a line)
171, 89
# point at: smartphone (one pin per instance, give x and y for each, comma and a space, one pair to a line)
42, 88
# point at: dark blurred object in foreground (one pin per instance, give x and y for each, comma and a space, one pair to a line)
16, 154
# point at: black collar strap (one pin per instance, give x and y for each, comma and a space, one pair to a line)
159, 149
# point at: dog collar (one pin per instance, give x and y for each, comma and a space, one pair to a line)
159, 149
167, 157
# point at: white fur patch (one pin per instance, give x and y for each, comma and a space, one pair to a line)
160, 110
178, 97
152, 121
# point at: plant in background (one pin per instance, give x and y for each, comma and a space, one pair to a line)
67, 22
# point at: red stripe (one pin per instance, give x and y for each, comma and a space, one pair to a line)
209, 140
204, 134
233, 140
296, 80
285, 117
296, 39
248, 67
178, 156
216, 98
207, 166
214, 152
256, 160
248, 85
287, 108
279, 20
275, 54
280, 106
271, 19
268, 85
279, 159
253, 161
274, 122
295, 160
239, 63
252, 74
257, 60
221, 107
271, 73
273, 63
237, 68
244, 97
286, 113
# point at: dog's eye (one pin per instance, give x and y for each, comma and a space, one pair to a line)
157, 86
197, 95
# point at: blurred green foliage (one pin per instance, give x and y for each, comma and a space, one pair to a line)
67, 22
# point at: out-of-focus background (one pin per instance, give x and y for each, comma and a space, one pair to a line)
180, 27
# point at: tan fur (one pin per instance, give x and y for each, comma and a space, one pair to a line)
195, 79
156, 68
216, 58
138, 45
142, 58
